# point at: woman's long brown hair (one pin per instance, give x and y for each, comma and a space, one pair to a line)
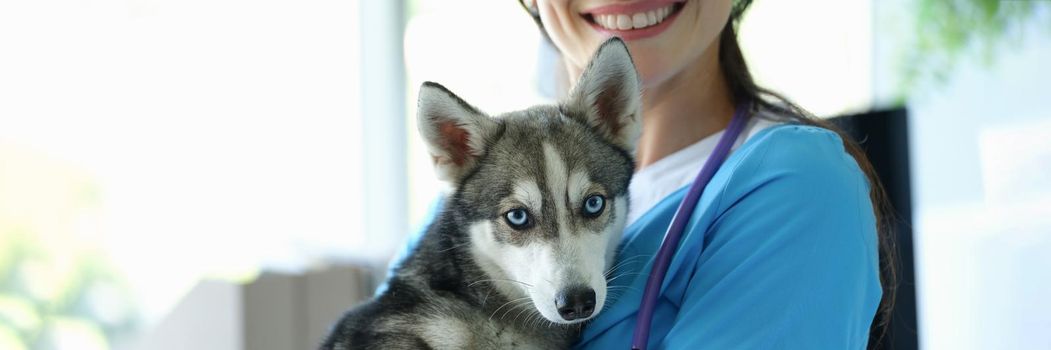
743, 88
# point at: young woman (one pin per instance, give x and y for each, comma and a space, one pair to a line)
785, 246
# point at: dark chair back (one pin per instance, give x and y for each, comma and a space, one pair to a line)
884, 135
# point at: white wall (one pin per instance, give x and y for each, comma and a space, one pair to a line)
981, 163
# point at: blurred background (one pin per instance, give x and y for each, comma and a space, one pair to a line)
230, 174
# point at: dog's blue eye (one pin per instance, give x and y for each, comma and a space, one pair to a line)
593, 205
517, 218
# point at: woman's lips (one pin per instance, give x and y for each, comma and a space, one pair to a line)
633, 21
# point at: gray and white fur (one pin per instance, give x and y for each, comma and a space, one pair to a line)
519, 255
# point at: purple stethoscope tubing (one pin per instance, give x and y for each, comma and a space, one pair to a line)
678, 225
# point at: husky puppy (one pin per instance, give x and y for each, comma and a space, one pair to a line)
518, 257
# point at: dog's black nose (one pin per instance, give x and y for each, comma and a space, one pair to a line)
575, 303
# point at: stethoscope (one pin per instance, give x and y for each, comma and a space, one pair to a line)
678, 225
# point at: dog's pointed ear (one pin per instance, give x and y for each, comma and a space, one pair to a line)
455, 132
608, 95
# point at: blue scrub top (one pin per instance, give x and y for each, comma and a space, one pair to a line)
781, 252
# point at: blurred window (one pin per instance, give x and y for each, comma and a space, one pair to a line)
159, 141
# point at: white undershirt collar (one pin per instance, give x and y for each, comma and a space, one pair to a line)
656, 181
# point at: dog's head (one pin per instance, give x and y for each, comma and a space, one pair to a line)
543, 192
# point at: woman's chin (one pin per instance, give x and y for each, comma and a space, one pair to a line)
653, 73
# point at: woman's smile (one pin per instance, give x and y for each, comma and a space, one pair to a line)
633, 21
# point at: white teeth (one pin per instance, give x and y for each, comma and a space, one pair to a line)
639, 20
633, 21
623, 22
